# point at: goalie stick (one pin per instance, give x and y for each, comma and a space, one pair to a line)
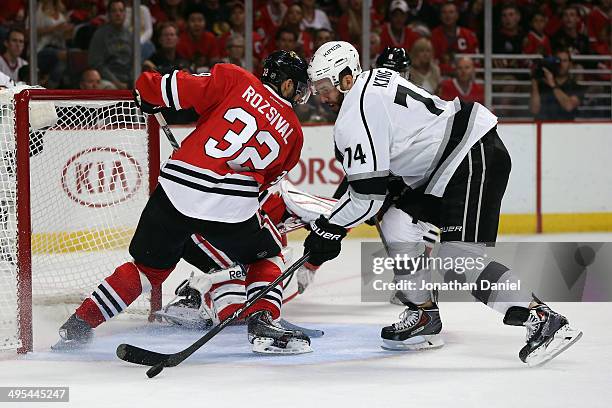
158, 361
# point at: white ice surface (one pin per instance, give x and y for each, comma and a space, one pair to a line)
478, 367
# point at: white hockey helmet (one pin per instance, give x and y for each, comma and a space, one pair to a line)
330, 60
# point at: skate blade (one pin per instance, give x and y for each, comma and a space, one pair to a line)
64, 345
184, 320
415, 343
561, 341
265, 345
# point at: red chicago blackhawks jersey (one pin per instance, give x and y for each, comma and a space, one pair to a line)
247, 138
536, 43
450, 89
463, 42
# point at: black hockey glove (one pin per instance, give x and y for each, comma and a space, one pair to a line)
323, 242
145, 106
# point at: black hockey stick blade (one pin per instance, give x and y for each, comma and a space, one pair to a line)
138, 355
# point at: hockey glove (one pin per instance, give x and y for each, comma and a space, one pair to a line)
145, 106
323, 242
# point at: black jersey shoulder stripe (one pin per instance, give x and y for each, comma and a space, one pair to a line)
215, 190
206, 177
363, 119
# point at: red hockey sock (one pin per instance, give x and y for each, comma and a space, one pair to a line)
118, 291
259, 275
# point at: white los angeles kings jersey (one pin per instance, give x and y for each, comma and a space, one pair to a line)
389, 126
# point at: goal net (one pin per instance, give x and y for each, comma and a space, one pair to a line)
76, 169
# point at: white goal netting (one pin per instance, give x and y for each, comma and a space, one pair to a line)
89, 181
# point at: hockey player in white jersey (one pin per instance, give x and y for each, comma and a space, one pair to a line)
455, 169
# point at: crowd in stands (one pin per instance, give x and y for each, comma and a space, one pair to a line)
89, 43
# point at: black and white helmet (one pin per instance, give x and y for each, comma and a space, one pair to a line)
330, 60
282, 65
395, 58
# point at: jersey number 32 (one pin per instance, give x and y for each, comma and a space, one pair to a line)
237, 140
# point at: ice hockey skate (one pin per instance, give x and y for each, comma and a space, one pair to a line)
418, 329
186, 309
548, 332
74, 334
269, 337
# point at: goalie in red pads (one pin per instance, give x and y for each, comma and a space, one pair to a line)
247, 138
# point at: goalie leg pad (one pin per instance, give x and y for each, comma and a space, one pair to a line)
305, 206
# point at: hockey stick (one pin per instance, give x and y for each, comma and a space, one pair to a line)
158, 361
166, 129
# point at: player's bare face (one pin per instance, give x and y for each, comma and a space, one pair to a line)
329, 95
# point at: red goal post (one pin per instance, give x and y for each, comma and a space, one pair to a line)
77, 186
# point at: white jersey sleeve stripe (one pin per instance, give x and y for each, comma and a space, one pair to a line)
163, 90
174, 88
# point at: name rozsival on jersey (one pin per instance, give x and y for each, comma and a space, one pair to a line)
268, 111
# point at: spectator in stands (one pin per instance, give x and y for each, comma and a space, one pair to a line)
90, 79
322, 36
375, 48
554, 12
314, 18
110, 51
473, 18
236, 26
146, 29
216, 14
555, 96
422, 14
569, 36
165, 60
87, 16
537, 41
196, 44
235, 50
449, 39
292, 21
53, 29
286, 40
11, 60
509, 38
395, 33
463, 85
268, 18
424, 72
169, 10
599, 19
349, 24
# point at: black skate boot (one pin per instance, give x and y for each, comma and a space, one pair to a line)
418, 329
548, 332
269, 337
74, 334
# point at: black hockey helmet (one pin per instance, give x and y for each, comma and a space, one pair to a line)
394, 58
283, 65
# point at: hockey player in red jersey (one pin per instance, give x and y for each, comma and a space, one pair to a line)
246, 139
